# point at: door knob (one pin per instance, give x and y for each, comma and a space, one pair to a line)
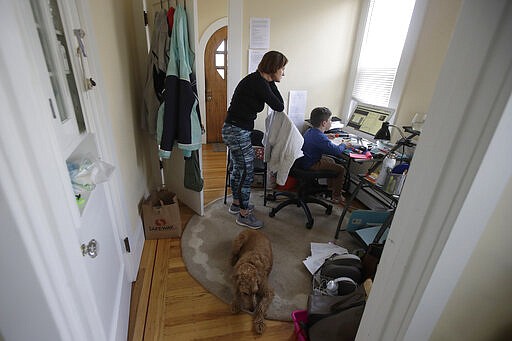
90, 249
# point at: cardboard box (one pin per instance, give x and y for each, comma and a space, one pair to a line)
161, 215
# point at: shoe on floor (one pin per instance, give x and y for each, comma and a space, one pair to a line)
235, 209
338, 200
250, 221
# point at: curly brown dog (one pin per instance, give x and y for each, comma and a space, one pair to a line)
252, 261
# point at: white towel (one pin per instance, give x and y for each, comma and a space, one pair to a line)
283, 145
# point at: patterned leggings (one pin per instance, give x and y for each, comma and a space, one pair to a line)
238, 141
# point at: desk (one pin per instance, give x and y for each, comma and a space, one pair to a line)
364, 182
390, 200
370, 197
377, 155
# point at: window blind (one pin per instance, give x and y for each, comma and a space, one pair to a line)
386, 28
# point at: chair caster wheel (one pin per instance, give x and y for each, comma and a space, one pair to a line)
309, 224
271, 213
328, 210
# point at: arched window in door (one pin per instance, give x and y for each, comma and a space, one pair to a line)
221, 55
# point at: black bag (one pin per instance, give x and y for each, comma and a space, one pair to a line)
335, 317
371, 260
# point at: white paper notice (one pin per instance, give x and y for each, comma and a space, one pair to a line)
259, 33
254, 59
297, 107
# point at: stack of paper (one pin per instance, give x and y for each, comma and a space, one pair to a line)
319, 252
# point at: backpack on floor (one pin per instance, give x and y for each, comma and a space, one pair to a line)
340, 274
335, 318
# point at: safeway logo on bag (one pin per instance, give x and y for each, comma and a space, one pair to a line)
161, 225
160, 222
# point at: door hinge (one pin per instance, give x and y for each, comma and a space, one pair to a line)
127, 245
145, 18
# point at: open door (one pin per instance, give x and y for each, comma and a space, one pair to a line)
49, 123
174, 168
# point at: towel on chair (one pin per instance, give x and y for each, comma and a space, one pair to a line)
283, 145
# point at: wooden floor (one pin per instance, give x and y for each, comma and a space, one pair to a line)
168, 304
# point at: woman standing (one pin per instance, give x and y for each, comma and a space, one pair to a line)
248, 100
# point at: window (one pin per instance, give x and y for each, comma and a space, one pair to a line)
383, 53
220, 59
54, 42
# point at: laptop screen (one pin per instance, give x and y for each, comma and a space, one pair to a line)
368, 118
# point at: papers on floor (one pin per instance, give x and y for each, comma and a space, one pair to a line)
319, 252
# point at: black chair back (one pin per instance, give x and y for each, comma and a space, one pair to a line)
257, 138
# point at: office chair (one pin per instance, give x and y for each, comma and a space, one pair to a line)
260, 166
307, 187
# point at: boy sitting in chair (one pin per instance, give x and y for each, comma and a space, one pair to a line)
317, 145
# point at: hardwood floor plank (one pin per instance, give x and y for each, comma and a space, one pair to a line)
140, 292
155, 322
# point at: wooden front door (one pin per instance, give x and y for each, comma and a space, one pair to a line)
215, 64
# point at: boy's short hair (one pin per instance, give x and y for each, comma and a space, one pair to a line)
318, 115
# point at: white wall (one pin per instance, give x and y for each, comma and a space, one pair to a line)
317, 38
119, 34
209, 11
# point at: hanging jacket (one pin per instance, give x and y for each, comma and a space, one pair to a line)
156, 68
181, 123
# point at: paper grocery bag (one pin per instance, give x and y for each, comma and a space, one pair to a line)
161, 215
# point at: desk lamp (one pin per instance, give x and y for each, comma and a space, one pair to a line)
383, 133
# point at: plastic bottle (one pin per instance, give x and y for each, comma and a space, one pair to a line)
387, 165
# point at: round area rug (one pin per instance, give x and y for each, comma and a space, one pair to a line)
206, 250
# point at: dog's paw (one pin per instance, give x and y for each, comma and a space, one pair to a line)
259, 326
235, 307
